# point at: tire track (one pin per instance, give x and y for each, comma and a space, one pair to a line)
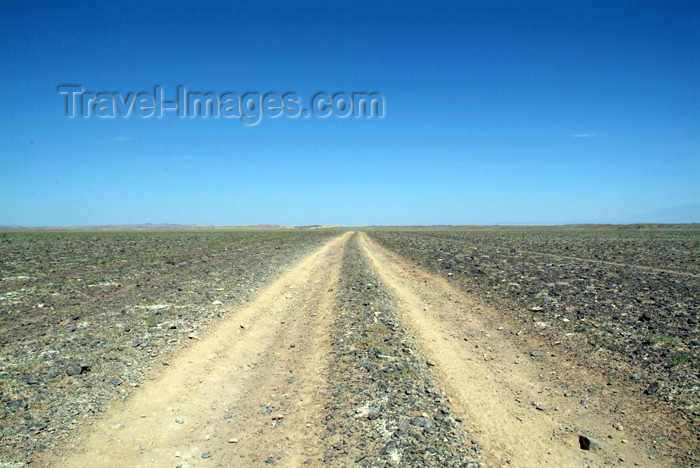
528, 406
250, 392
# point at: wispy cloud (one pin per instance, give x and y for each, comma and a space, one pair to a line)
583, 135
121, 138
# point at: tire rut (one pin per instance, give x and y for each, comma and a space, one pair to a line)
249, 393
529, 404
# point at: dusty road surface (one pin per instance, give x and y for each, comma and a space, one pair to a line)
288, 380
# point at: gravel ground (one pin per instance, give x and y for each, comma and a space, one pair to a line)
384, 408
84, 316
626, 301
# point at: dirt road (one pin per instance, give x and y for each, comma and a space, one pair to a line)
276, 381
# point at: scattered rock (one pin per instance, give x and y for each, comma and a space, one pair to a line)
420, 421
653, 388
73, 369
588, 443
36, 427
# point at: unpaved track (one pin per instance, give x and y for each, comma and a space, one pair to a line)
260, 384
265, 384
497, 386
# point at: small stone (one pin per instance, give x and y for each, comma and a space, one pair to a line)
244, 326
419, 421
588, 443
653, 388
388, 448
217, 302
36, 428
206, 455
535, 353
180, 420
233, 441
18, 404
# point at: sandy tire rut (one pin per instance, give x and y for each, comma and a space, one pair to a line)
277, 382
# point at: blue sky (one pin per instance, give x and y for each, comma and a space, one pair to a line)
496, 113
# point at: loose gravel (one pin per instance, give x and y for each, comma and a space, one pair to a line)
384, 409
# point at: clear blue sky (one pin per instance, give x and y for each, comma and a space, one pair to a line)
486, 105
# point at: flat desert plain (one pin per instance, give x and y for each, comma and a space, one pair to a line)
562, 346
